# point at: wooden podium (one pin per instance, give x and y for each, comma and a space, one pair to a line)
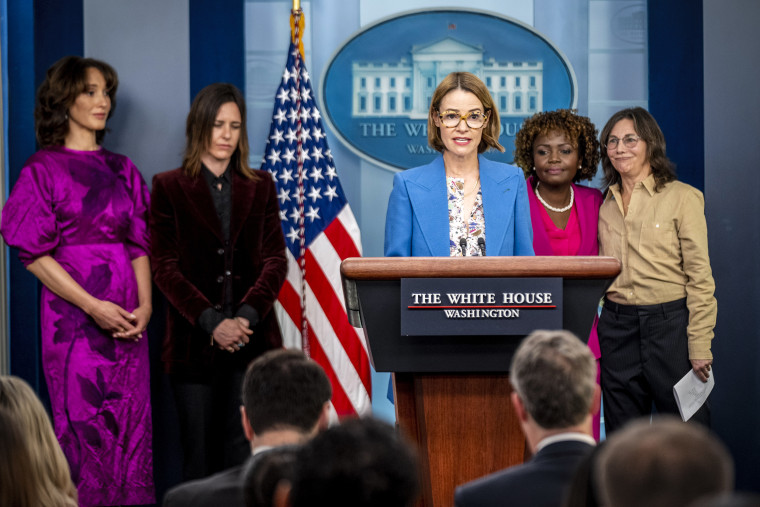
452, 392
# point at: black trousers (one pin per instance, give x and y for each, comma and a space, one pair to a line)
211, 432
644, 353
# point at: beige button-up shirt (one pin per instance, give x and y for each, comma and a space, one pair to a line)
662, 246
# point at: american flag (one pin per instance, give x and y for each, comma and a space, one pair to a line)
320, 231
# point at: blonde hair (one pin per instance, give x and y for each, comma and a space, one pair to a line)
469, 83
50, 482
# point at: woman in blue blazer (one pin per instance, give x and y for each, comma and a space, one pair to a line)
461, 203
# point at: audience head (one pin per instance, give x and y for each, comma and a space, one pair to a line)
66, 80
263, 474
49, 472
283, 389
360, 462
667, 463
554, 377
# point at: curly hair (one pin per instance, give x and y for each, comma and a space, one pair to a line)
63, 83
469, 83
578, 129
647, 129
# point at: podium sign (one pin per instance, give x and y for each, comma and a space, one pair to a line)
452, 390
479, 306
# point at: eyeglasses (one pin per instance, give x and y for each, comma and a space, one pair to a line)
473, 119
628, 142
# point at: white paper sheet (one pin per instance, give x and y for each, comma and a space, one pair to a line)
691, 393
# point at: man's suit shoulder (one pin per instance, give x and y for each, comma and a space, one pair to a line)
540, 481
223, 488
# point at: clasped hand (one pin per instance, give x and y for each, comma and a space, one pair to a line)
120, 323
232, 334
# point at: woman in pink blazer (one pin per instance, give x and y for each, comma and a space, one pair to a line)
557, 149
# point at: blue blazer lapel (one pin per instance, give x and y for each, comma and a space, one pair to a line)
499, 194
427, 193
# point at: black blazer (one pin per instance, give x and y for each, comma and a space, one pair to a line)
224, 489
540, 482
192, 264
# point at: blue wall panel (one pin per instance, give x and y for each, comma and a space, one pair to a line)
217, 43
39, 33
676, 83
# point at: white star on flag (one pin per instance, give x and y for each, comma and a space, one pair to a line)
319, 234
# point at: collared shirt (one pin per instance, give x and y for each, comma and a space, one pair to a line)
220, 188
563, 437
662, 246
221, 193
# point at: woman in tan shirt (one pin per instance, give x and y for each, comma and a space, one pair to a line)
659, 313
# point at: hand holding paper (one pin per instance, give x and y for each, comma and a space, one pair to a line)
691, 393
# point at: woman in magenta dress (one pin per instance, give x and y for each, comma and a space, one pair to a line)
557, 149
78, 216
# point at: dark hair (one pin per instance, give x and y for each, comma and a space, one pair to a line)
360, 462
264, 472
579, 130
64, 81
285, 389
200, 124
469, 83
647, 129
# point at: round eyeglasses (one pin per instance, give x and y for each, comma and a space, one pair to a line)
628, 142
473, 119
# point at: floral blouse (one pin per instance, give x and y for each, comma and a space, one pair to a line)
472, 227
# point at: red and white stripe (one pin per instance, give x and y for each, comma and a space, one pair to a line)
337, 346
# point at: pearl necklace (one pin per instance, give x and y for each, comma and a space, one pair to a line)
552, 208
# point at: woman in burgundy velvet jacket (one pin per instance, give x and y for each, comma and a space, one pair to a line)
219, 258
556, 150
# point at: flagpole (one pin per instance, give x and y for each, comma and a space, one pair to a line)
296, 23
326, 335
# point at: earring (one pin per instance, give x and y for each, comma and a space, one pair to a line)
65, 116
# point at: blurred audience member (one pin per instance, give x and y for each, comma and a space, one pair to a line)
665, 464
39, 473
555, 395
361, 462
261, 477
286, 399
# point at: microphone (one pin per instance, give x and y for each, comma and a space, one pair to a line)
463, 246
482, 246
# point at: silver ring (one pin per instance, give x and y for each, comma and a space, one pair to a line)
240, 345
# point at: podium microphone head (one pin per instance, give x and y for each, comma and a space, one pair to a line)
463, 246
482, 246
